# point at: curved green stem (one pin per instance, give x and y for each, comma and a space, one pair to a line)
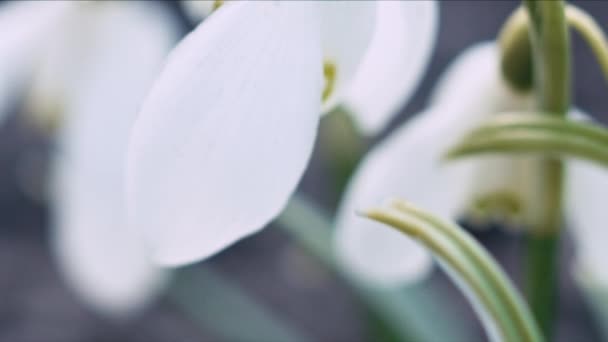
515, 305
577, 127
495, 296
412, 314
542, 135
593, 34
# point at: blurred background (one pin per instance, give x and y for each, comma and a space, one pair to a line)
36, 304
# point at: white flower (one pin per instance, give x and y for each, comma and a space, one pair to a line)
227, 131
408, 165
23, 25
96, 62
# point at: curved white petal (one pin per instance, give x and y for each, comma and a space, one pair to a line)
400, 50
585, 193
101, 257
408, 165
226, 133
24, 27
347, 28
474, 81
586, 190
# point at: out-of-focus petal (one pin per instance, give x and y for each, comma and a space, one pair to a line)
586, 189
347, 28
104, 260
405, 165
408, 165
595, 293
60, 67
24, 27
473, 89
485, 90
394, 63
227, 131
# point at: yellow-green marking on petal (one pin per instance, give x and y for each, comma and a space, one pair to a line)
505, 204
217, 4
330, 72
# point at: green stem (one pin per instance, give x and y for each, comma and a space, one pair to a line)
505, 315
591, 32
413, 314
551, 60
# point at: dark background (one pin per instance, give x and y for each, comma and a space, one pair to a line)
35, 304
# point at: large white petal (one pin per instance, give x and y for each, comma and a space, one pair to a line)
347, 28
408, 165
24, 27
394, 63
101, 257
226, 133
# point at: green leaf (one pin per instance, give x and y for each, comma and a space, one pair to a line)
527, 133
499, 305
414, 314
226, 310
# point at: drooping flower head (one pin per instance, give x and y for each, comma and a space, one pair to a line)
226, 133
409, 164
80, 62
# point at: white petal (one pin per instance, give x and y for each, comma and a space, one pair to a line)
408, 165
475, 78
60, 66
347, 28
595, 293
586, 190
103, 260
394, 63
24, 26
226, 133
473, 89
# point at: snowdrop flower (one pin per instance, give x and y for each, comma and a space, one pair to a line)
408, 165
226, 133
101, 59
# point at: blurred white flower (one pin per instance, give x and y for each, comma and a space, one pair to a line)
226, 133
24, 26
408, 165
95, 62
